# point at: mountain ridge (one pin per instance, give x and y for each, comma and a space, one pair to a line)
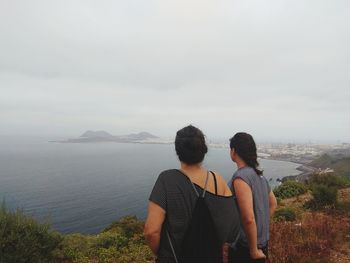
90, 136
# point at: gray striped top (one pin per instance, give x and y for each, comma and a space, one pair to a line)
260, 190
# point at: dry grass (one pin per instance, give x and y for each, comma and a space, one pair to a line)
344, 195
314, 239
317, 237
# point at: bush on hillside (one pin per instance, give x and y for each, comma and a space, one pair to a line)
344, 181
22, 239
75, 247
289, 189
323, 197
285, 214
110, 239
128, 226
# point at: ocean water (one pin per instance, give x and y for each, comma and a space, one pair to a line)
85, 187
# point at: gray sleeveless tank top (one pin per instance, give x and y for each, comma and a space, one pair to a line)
260, 190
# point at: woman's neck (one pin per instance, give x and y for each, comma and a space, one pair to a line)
195, 172
240, 163
191, 167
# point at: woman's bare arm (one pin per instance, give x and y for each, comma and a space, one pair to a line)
245, 202
153, 226
272, 203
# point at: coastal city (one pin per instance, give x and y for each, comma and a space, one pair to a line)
300, 153
312, 157
303, 153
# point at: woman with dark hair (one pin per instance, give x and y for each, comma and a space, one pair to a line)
180, 196
256, 202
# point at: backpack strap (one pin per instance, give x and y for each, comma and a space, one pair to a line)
194, 188
206, 184
171, 246
216, 185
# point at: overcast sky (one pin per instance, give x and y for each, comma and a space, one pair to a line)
279, 69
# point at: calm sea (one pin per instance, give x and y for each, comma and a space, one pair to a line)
85, 187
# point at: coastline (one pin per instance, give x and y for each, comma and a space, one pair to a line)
305, 170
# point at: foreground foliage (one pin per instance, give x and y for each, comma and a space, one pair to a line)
121, 242
22, 239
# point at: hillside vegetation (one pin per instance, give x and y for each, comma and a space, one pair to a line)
317, 222
339, 163
311, 225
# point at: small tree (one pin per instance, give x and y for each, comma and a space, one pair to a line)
323, 196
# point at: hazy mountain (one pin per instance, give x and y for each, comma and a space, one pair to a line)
93, 134
139, 136
103, 136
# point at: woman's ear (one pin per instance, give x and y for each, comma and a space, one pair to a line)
232, 153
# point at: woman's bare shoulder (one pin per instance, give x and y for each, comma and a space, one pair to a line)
222, 185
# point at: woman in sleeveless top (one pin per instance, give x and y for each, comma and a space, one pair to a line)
256, 202
174, 196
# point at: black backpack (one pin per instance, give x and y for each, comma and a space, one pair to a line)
200, 243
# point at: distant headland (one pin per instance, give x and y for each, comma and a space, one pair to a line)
103, 136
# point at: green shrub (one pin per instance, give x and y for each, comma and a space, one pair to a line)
128, 226
344, 181
136, 253
107, 255
289, 189
323, 196
76, 247
109, 239
285, 214
22, 239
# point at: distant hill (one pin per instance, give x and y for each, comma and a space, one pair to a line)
338, 162
139, 136
94, 134
103, 136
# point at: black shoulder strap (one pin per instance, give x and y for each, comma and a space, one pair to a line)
205, 186
171, 246
216, 185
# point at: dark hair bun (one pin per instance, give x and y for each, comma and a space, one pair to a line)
190, 145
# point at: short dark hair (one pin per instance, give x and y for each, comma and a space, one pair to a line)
190, 145
244, 145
